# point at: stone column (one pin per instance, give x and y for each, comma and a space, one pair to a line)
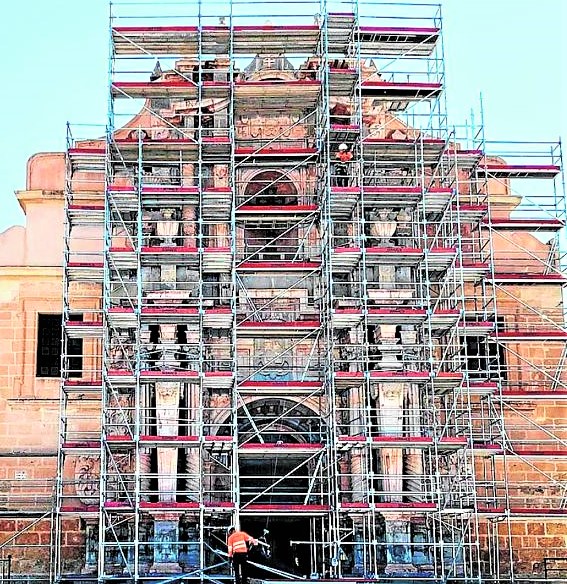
358, 486
166, 546
413, 464
193, 455
357, 416
391, 415
167, 414
413, 457
358, 548
189, 226
390, 402
168, 394
345, 485
398, 550
390, 412
355, 342
357, 427
166, 526
313, 243
145, 459
389, 347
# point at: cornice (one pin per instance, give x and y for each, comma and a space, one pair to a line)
39, 196
31, 272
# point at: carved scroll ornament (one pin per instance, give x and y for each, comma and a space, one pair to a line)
87, 476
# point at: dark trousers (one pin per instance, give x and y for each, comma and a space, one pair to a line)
341, 178
240, 565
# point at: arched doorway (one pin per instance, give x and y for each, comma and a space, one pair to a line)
270, 187
269, 479
278, 479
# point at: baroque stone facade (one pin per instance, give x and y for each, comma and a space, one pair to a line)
290, 343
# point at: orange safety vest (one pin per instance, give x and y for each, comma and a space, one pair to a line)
344, 155
237, 543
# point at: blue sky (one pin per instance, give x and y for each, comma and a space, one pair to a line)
56, 60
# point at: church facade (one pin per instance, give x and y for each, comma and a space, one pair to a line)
281, 294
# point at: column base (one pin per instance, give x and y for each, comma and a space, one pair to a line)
165, 568
87, 570
166, 542
392, 569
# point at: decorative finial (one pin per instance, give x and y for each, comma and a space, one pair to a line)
157, 72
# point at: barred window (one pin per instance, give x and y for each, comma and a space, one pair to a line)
49, 346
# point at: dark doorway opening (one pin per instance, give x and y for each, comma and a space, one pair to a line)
286, 555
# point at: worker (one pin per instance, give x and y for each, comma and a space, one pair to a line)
238, 544
343, 157
265, 550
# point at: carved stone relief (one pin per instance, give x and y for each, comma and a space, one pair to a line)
87, 476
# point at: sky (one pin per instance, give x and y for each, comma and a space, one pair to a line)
55, 70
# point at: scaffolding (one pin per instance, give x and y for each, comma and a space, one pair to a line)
327, 352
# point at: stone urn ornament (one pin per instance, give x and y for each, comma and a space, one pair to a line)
382, 227
167, 228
